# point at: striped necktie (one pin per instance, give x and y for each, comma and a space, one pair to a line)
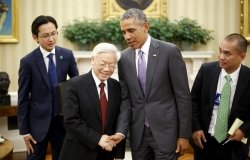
142, 70
53, 82
104, 105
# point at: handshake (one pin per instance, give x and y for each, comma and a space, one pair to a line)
108, 142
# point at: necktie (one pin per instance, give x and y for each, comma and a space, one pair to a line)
142, 70
53, 82
142, 76
104, 104
221, 126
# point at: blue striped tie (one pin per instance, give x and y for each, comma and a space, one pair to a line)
53, 82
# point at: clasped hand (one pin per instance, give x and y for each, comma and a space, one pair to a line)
109, 142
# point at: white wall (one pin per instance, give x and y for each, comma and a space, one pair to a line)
222, 16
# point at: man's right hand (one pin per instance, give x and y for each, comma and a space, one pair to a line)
198, 137
28, 142
106, 143
117, 137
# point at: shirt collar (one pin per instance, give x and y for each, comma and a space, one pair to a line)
145, 47
234, 76
97, 80
46, 53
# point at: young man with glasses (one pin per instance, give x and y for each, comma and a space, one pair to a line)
39, 73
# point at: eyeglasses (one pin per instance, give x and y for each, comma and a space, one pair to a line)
48, 35
104, 65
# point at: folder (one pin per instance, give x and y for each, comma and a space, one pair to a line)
237, 123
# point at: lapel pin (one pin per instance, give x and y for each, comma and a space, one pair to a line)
154, 55
61, 57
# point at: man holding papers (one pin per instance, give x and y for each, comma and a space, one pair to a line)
220, 97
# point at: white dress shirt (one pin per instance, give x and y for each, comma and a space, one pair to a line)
97, 82
234, 76
46, 58
145, 50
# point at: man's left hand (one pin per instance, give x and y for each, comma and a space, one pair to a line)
182, 145
237, 136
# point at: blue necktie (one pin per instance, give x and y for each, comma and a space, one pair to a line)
53, 82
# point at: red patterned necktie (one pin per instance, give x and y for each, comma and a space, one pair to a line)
104, 105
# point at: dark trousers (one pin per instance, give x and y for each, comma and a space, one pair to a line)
216, 151
55, 136
149, 150
104, 155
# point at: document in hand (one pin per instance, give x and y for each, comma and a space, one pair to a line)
237, 123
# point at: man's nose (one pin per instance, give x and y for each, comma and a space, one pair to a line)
221, 56
127, 36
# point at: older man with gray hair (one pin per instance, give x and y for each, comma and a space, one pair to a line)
91, 110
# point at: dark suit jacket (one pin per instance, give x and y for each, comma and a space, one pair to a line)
203, 96
34, 92
82, 117
167, 101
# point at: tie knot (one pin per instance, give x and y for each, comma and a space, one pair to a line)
101, 85
228, 78
50, 56
140, 53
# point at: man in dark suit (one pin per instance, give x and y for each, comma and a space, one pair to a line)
38, 118
156, 101
4, 83
208, 96
88, 124
4, 86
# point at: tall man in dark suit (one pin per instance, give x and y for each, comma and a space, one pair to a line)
38, 118
156, 102
89, 121
208, 102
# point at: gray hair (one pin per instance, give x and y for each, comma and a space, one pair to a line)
135, 13
106, 48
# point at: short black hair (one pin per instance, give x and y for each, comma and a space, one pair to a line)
40, 20
241, 41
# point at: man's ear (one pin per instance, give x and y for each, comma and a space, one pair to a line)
35, 38
243, 56
92, 60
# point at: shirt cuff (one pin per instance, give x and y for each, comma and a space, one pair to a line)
25, 135
121, 134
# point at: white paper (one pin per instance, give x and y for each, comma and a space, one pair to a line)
237, 123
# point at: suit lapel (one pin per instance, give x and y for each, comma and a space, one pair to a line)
111, 95
213, 78
59, 58
41, 66
242, 81
92, 92
151, 65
